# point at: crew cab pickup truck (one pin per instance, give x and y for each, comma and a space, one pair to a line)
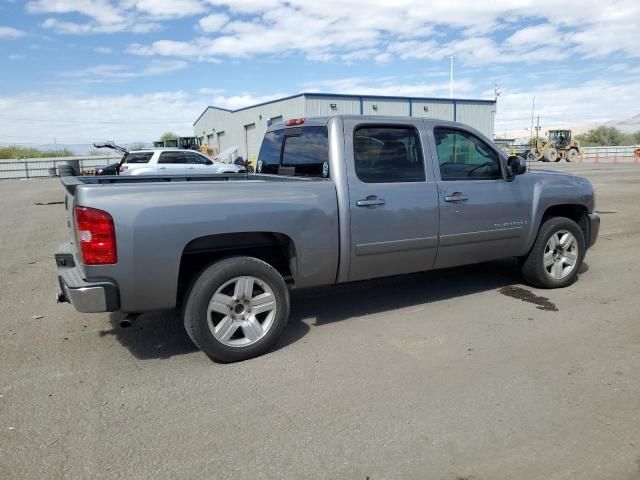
334, 200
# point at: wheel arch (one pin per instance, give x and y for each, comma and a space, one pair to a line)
274, 248
574, 211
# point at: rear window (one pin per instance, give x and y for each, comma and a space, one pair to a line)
302, 151
142, 157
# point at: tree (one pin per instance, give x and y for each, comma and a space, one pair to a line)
169, 136
602, 136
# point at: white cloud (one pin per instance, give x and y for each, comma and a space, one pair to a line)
213, 23
103, 11
75, 118
335, 29
243, 100
166, 8
591, 102
120, 72
17, 56
84, 119
391, 86
543, 34
103, 50
11, 33
74, 28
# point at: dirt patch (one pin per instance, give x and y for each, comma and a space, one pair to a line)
542, 303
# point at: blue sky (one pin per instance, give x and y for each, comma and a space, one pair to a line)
127, 70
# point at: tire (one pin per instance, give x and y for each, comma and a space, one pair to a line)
536, 268
231, 331
532, 157
551, 155
572, 155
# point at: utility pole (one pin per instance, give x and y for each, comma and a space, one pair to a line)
533, 109
451, 77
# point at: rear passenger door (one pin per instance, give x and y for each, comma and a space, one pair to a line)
393, 203
171, 163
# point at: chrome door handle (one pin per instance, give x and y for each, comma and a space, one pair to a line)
162, 168
371, 200
456, 197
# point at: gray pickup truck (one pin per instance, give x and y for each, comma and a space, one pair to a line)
334, 200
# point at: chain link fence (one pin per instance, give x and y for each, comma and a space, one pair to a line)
48, 167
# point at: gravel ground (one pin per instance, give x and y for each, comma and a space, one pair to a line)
441, 375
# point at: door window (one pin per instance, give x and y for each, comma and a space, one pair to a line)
463, 156
195, 159
172, 157
388, 154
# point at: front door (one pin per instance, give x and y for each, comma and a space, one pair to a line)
171, 163
483, 215
393, 205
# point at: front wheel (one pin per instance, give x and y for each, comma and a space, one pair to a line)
572, 155
556, 255
237, 309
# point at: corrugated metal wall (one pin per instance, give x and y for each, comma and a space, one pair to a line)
432, 109
479, 115
386, 106
230, 128
319, 106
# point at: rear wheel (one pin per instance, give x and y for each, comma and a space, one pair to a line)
237, 309
572, 155
556, 255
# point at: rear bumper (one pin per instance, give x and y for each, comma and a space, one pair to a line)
594, 229
86, 297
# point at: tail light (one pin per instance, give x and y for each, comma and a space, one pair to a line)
122, 168
295, 122
96, 236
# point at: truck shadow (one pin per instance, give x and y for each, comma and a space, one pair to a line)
162, 335
319, 306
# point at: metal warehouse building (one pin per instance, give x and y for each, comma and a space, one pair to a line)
245, 127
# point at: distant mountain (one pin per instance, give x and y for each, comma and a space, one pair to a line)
630, 125
635, 120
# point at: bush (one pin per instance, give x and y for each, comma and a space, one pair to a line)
17, 152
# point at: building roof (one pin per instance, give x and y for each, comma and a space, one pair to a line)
346, 95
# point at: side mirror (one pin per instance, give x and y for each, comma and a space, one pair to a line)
516, 165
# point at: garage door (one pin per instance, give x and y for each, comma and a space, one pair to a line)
221, 142
211, 140
251, 142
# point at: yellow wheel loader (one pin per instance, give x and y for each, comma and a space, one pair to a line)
559, 146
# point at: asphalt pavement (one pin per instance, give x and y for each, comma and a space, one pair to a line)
457, 374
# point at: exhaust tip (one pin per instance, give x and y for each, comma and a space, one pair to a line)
128, 320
